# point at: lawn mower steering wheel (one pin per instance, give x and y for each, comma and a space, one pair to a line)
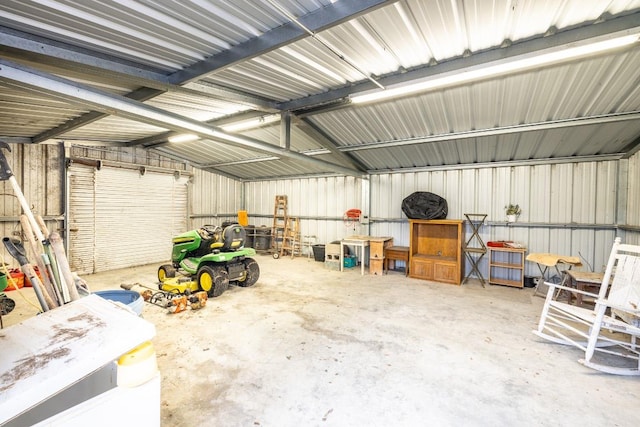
211, 230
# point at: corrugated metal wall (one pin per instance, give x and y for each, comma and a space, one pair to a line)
632, 234
319, 202
567, 208
213, 199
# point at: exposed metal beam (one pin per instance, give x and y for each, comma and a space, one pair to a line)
17, 41
318, 20
632, 148
17, 45
285, 130
162, 138
170, 155
502, 130
509, 163
121, 106
616, 25
142, 94
319, 135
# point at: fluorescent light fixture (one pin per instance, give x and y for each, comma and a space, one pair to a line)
524, 62
184, 137
250, 124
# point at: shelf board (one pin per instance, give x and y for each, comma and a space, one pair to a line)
507, 265
505, 282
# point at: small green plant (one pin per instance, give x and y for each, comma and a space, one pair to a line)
513, 209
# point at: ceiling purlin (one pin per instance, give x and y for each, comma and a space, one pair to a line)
501, 130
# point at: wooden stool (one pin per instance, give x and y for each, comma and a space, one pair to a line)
396, 253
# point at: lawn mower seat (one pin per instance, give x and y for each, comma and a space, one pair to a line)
233, 238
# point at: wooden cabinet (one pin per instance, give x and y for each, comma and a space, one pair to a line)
506, 266
435, 250
376, 254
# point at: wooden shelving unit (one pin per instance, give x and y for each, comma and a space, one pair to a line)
435, 250
506, 266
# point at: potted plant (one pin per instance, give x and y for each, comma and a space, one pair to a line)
512, 212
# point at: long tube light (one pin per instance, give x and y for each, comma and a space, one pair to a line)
250, 124
183, 137
497, 68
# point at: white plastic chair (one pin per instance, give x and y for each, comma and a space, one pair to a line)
609, 342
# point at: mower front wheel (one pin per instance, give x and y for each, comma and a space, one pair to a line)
166, 272
213, 280
252, 272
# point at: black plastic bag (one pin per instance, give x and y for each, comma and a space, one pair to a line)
424, 205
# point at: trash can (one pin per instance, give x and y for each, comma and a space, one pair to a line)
249, 239
262, 240
318, 253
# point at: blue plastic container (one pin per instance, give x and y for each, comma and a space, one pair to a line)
350, 261
131, 299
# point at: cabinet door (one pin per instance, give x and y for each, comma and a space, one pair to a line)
376, 250
445, 273
376, 267
422, 269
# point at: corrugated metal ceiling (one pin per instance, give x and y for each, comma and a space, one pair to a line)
217, 62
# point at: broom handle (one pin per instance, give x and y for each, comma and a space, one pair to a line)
42, 266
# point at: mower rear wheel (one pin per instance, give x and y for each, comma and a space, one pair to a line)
213, 280
253, 272
165, 272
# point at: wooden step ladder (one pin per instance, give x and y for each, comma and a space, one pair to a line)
291, 239
279, 224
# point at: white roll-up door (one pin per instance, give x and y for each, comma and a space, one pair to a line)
135, 217
81, 217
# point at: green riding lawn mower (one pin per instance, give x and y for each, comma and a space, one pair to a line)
209, 259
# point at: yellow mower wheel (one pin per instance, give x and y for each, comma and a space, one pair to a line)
165, 272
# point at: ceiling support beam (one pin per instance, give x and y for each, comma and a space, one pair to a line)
322, 138
503, 130
285, 130
139, 95
135, 110
18, 44
318, 20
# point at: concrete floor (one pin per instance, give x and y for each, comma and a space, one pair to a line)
308, 346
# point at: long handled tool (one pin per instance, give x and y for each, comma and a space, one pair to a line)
6, 174
56, 270
43, 265
16, 250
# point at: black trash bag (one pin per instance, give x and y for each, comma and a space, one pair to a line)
424, 205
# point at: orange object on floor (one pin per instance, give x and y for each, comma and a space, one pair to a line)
16, 280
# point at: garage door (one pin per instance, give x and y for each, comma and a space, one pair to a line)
121, 218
